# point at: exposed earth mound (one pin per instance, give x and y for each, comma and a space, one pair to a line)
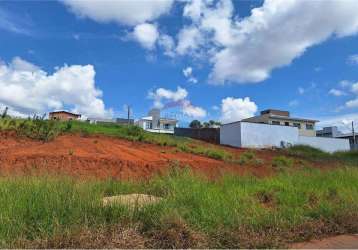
107, 157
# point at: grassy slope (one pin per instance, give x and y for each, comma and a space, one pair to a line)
39, 208
47, 130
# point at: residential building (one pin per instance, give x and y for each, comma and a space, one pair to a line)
329, 132
306, 127
352, 142
154, 123
120, 121
63, 116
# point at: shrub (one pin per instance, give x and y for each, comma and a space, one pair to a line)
249, 157
282, 162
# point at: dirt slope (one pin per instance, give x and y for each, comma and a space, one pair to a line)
105, 157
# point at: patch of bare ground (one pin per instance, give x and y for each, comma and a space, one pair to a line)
107, 157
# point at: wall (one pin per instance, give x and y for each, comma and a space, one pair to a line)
205, 134
264, 135
256, 135
325, 143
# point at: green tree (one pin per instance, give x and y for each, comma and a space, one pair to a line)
195, 124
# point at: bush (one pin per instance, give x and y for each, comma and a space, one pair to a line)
249, 157
282, 162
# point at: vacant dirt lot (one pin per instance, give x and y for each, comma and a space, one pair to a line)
106, 157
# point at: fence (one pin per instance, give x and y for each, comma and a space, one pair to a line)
211, 135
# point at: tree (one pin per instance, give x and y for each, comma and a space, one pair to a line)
206, 125
195, 124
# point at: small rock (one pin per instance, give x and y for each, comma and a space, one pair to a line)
131, 200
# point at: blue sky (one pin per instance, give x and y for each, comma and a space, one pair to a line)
218, 60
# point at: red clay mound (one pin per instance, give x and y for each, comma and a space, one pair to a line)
106, 157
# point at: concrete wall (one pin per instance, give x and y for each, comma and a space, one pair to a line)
324, 143
255, 135
230, 134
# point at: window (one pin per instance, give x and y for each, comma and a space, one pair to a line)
287, 124
309, 126
275, 123
166, 126
297, 125
148, 125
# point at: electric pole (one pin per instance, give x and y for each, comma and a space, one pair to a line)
354, 136
128, 114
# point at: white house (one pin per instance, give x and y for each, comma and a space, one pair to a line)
156, 124
260, 135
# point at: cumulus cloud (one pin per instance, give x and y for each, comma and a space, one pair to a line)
188, 73
248, 49
293, 103
336, 92
353, 59
193, 111
167, 43
146, 34
127, 12
189, 39
236, 109
165, 98
301, 90
27, 89
343, 122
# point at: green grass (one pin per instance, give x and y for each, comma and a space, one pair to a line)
249, 158
282, 162
34, 208
314, 154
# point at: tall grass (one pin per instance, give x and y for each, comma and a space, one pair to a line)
39, 208
315, 154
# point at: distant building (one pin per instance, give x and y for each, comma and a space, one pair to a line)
63, 116
351, 140
306, 127
120, 121
154, 123
328, 132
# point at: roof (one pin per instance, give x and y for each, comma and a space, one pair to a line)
66, 112
150, 118
348, 135
292, 118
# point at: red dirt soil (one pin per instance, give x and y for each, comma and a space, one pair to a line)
106, 157
335, 242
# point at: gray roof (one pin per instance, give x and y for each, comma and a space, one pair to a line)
292, 118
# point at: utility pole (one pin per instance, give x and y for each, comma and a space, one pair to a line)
128, 113
354, 136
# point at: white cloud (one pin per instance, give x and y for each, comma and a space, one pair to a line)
293, 103
236, 109
353, 59
354, 88
176, 98
301, 90
337, 92
343, 122
159, 94
189, 39
168, 45
193, 111
188, 73
128, 12
146, 34
248, 49
352, 103
345, 83
27, 89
